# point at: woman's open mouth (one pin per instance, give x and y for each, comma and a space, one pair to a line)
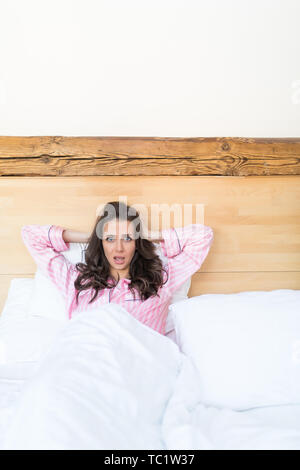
119, 259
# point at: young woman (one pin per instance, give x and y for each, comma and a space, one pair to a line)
121, 265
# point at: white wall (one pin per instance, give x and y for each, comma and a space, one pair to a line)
157, 68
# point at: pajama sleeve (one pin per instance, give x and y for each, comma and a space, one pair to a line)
44, 243
186, 249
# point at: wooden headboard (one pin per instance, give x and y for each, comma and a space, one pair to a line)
249, 189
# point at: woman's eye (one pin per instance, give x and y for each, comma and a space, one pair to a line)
110, 238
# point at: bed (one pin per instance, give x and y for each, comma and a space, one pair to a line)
227, 373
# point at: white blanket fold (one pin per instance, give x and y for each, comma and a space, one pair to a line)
104, 384
191, 425
110, 382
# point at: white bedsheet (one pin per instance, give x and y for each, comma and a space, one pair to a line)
110, 382
189, 424
12, 378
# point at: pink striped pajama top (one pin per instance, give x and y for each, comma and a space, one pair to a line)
185, 247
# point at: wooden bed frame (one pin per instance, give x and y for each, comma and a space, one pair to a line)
249, 189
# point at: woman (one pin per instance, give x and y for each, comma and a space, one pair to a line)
121, 265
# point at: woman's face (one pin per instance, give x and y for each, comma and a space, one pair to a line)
118, 242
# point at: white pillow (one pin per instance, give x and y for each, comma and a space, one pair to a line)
24, 339
44, 288
18, 296
246, 346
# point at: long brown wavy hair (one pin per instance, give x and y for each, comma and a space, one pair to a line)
145, 271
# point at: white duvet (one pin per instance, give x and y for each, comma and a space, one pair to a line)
110, 382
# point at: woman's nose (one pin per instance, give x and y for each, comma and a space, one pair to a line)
119, 245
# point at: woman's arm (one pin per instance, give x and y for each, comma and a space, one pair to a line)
186, 249
71, 236
44, 243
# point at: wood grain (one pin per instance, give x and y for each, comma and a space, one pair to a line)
256, 221
248, 189
148, 156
